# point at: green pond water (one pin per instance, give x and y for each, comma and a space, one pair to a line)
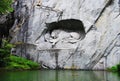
60, 75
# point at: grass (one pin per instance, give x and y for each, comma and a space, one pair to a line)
10, 62
18, 63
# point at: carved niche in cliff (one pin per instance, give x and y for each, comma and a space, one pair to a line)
64, 33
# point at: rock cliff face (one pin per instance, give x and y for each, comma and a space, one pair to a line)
6, 22
95, 45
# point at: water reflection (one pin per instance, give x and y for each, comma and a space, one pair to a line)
60, 75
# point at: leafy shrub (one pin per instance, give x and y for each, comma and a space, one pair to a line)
5, 6
14, 65
5, 52
115, 68
13, 62
118, 67
21, 63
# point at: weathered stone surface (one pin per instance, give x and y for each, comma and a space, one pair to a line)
98, 50
6, 22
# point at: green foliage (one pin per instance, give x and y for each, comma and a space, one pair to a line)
118, 67
5, 52
13, 62
21, 63
115, 68
5, 6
